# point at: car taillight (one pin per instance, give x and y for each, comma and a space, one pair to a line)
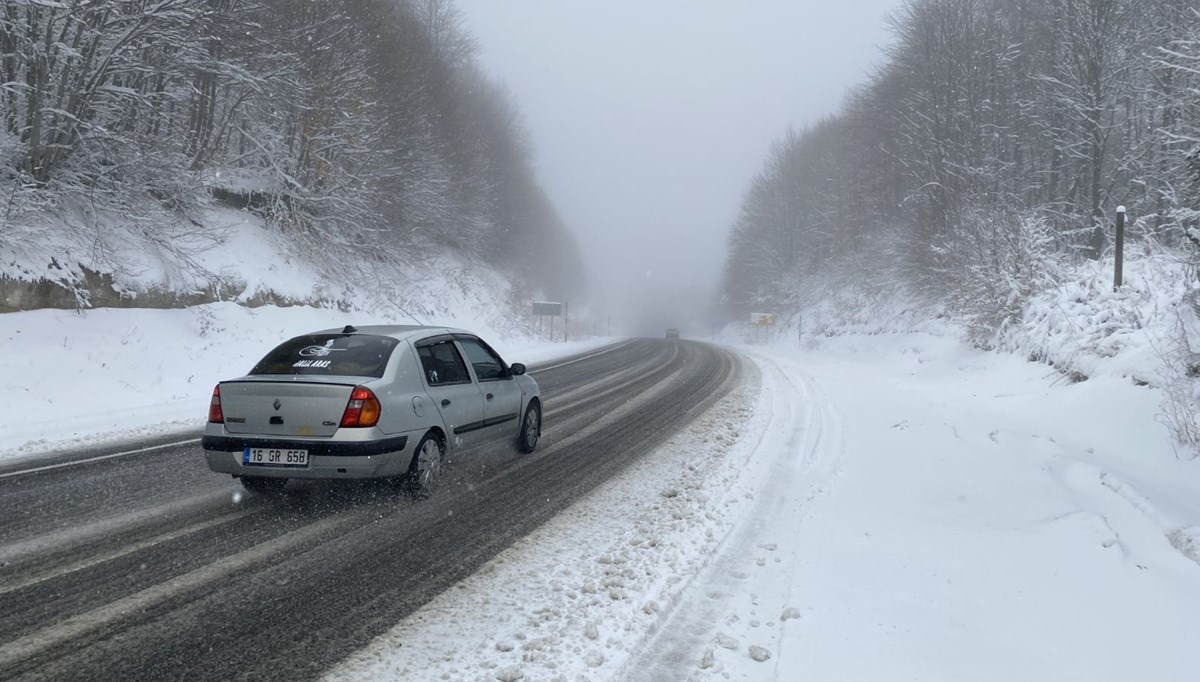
215, 415
362, 410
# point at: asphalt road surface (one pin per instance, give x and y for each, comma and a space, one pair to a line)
146, 566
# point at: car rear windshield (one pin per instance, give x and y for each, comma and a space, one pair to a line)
359, 355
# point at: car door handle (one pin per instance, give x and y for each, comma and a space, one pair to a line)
445, 402
490, 396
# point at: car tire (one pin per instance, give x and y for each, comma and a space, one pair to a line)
428, 460
262, 485
531, 428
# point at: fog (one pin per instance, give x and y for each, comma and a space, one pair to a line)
649, 119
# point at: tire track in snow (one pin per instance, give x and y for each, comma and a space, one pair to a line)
797, 457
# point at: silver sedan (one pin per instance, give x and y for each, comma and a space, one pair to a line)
372, 402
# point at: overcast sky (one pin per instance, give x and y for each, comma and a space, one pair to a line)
649, 118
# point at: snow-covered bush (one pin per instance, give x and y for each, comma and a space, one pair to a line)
1085, 328
1181, 376
989, 267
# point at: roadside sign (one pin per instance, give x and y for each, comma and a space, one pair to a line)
548, 308
763, 319
551, 309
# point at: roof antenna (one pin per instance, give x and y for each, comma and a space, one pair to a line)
349, 329
414, 317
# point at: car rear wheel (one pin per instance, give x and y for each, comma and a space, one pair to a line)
426, 467
263, 486
531, 428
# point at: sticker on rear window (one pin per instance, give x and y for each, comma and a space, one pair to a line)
318, 351
323, 364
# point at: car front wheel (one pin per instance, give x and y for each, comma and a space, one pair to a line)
531, 427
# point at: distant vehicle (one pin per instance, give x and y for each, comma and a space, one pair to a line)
368, 403
672, 333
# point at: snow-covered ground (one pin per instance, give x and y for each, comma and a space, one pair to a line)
872, 507
76, 379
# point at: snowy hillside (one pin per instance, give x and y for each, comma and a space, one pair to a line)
122, 171
232, 255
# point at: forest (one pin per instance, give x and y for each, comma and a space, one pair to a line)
360, 131
989, 149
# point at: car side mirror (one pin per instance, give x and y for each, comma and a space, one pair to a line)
516, 369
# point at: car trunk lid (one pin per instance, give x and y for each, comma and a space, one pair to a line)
278, 408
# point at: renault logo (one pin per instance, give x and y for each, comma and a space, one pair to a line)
278, 404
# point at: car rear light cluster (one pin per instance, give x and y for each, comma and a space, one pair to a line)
362, 410
215, 415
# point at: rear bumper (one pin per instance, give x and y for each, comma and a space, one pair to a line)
315, 448
326, 459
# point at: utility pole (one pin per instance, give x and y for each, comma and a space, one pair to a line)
1119, 251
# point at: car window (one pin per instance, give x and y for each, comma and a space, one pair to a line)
362, 355
443, 364
487, 365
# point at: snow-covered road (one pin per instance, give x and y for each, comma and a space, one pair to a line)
869, 508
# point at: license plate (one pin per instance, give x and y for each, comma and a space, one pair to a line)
274, 457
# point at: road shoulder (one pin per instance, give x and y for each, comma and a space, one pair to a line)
581, 594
